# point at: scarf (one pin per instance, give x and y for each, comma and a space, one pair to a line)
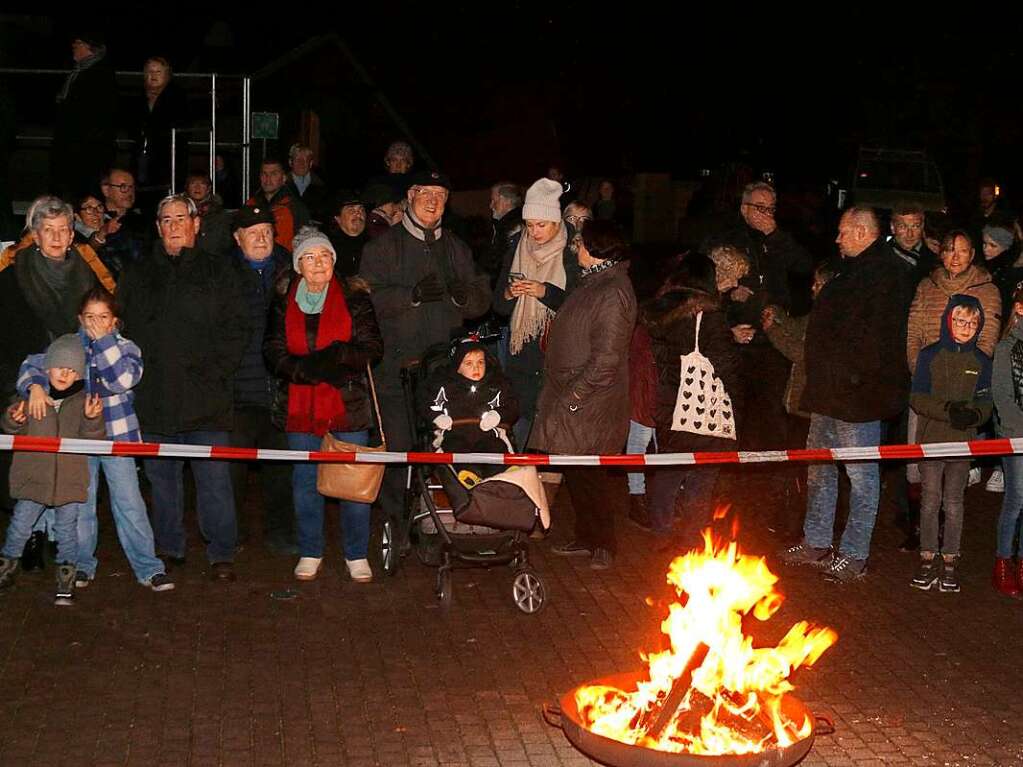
1016, 360
420, 232
92, 60
316, 408
542, 263
53, 290
597, 267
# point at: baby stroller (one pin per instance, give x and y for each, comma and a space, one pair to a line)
443, 519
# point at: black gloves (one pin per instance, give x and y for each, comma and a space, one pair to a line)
962, 416
459, 292
428, 290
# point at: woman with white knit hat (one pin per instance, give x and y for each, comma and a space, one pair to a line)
539, 269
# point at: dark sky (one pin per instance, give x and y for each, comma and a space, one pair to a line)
633, 87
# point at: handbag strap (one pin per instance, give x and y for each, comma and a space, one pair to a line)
696, 342
376, 404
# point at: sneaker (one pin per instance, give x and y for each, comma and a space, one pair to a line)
65, 594
602, 559
927, 573
308, 568
803, 554
996, 482
572, 549
82, 579
844, 569
974, 476
161, 582
8, 571
359, 570
949, 581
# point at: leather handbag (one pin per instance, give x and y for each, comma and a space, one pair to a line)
358, 482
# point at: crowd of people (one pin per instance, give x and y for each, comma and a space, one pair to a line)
260, 328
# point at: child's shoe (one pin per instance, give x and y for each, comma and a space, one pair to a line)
65, 594
949, 580
8, 571
927, 573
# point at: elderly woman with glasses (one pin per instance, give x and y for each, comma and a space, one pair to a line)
322, 334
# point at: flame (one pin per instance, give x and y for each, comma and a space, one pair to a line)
733, 704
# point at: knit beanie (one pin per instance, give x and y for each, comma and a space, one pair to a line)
67, 352
309, 237
1000, 234
542, 201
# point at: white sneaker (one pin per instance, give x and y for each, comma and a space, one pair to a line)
996, 482
308, 568
359, 570
974, 477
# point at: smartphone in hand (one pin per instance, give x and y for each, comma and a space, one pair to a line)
515, 276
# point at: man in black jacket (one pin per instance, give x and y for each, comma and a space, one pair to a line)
261, 264
856, 377
187, 311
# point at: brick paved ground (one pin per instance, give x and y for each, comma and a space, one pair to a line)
380, 675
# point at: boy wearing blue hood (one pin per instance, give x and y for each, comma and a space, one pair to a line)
952, 396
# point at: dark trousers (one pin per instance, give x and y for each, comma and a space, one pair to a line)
399, 438
214, 501
764, 424
592, 492
253, 428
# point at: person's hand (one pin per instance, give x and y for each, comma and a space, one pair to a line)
93, 406
38, 400
443, 422
529, 288
962, 416
740, 294
96, 327
17, 412
743, 334
428, 290
459, 292
490, 420
761, 221
768, 316
113, 226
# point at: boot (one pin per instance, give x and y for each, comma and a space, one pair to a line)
1004, 579
32, 557
638, 514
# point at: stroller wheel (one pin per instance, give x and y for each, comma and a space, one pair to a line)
388, 547
444, 586
529, 591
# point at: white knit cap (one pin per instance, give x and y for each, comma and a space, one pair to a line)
542, 201
309, 237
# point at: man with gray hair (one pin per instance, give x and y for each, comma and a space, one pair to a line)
856, 377
506, 223
304, 184
187, 311
398, 160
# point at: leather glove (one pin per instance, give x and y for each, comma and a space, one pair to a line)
490, 420
459, 292
428, 290
443, 422
962, 416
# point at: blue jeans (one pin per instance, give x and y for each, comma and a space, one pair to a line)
822, 486
309, 503
214, 497
130, 519
639, 440
27, 513
697, 483
1012, 505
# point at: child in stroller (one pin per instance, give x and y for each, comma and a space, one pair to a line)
471, 406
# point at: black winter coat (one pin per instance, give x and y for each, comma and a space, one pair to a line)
855, 345
671, 322
152, 159
343, 365
190, 317
85, 131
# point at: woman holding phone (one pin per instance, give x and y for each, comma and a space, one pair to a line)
539, 269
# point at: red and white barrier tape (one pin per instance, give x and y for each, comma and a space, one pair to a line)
987, 447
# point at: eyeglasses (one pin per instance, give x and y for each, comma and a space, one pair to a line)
767, 210
965, 323
576, 220
429, 194
92, 209
315, 258
121, 187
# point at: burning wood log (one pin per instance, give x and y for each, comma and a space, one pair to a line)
660, 715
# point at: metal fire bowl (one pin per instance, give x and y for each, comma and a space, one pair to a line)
618, 754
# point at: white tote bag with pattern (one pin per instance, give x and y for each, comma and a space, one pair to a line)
702, 406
